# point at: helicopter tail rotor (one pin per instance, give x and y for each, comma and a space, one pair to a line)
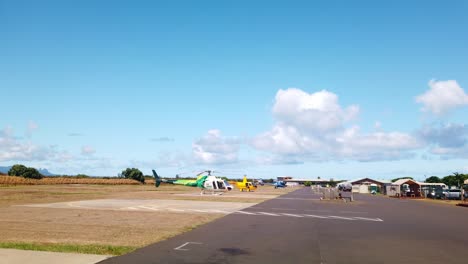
157, 179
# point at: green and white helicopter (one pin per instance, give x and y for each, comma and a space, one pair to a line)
205, 181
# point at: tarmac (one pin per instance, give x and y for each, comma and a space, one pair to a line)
14, 256
151, 205
299, 228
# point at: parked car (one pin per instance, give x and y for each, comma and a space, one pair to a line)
452, 194
435, 194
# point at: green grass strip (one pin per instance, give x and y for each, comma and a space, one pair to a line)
70, 248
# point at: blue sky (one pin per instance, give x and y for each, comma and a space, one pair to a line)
96, 86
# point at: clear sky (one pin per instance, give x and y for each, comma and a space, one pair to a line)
336, 89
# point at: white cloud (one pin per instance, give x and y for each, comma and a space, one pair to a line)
213, 148
448, 140
379, 145
442, 97
87, 150
286, 139
313, 127
13, 149
317, 112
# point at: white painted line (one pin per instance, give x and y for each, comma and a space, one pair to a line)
129, 208
244, 212
264, 213
185, 244
369, 219
200, 211
340, 217
219, 211
148, 208
316, 216
294, 215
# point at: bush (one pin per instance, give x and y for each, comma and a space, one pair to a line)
307, 183
32, 173
21, 170
17, 170
134, 174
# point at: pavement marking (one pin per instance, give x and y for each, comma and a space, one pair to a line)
316, 216
219, 211
181, 247
265, 213
200, 211
340, 217
148, 208
244, 212
293, 215
369, 219
298, 213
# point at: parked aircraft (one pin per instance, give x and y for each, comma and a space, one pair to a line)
245, 185
279, 184
205, 181
259, 182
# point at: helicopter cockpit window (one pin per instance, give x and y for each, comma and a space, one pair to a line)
221, 185
214, 185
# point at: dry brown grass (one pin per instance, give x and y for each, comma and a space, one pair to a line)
106, 227
13, 180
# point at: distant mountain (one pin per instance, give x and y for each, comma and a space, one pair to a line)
5, 170
44, 172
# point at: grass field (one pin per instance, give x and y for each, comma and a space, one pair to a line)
13, 180
98, 231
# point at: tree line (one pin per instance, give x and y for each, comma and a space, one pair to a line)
455, 179
32, 173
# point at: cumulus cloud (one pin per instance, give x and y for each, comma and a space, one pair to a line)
15, 149
448, 140
87, 150
288, 140
379, 145
317, 112
442, 97
213, 148
314, 127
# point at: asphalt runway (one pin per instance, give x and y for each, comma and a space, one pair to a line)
298, 228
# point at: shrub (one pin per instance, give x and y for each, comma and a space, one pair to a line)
32, 173
17, 170
26, 172
133, 173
